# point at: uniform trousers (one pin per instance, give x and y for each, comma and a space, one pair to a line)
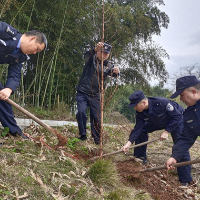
184, 172
7, 117
83, 102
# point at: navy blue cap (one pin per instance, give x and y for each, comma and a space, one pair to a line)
135, 98
106, 48
183, 83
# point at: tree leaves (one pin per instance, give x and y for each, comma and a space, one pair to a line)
129, 26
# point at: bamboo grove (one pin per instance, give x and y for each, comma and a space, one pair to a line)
72, 27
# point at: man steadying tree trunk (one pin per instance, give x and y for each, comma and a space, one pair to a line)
88, 89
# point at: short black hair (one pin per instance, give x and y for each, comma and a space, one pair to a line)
40, 37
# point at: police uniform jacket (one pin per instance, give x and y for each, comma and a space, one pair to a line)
9, 38
90, 80
190, 132
162, 114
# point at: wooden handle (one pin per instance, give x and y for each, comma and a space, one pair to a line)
47, 127
174, 165
120, 151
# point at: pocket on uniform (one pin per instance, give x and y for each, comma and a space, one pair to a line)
196, 130
161, 117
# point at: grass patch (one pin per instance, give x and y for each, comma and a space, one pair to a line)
72, 143
117, 195
103, 173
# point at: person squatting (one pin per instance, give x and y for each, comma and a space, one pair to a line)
157, 113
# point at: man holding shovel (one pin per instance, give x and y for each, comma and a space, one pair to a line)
156, 113
188, 87
14, 48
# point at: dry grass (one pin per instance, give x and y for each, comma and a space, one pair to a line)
31, 170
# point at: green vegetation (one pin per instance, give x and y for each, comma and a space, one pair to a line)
103, 173
48, 90
50, 78
72, 143
34, 170
5, 131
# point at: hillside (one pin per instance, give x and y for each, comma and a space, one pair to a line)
31, 169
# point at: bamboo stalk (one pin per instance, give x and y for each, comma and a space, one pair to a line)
56, 57
40, 82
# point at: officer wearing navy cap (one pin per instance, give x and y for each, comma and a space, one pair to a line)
188, 87
89, 88
14, 48
156, 113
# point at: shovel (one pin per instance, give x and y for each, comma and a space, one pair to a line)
164, 167
121, 151
62, 139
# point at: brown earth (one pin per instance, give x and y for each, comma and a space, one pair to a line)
159, 184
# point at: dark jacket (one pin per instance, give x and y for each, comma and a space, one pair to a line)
9, 38
190, 132
162, 114
90, 80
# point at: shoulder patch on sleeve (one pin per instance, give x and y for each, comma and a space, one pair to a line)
11, 31
169, 107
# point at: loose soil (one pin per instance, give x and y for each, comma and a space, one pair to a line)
160, 184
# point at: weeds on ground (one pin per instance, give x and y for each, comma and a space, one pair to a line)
5, 131
32, 169
103, 173
72, 143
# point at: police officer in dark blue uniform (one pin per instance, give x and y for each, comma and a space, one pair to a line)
157, 113
14, 48
88, 89
188, 87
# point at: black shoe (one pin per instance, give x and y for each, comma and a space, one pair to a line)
83, 137
19, 133
185, 184
97, 142
143, 159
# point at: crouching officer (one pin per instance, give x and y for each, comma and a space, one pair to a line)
188, 87
14, 48
157, 113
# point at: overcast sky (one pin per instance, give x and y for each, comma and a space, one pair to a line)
182, 38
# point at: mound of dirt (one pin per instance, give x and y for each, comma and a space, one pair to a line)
161, 185
116, 118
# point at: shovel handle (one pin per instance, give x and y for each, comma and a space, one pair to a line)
120, 151
47, 127
174, 165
